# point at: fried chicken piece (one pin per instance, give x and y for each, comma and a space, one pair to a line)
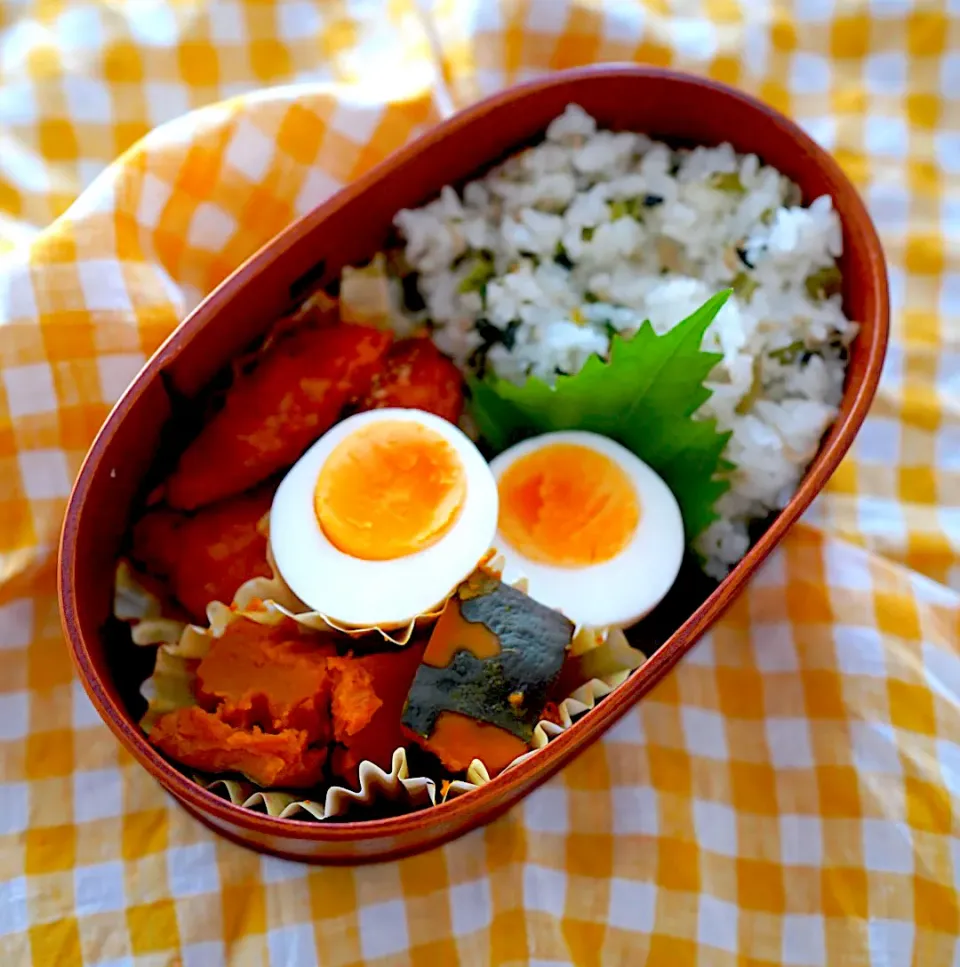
417, 376
207, 556
271, 414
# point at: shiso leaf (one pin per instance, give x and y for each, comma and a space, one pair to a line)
644, 397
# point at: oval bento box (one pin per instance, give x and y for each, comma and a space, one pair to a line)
348, 229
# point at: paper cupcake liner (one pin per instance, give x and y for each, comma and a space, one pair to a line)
269, 601
376, 786
143, 610
264, 600
397, 787
598, 663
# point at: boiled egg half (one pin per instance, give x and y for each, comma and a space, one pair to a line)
596, 533
382, 518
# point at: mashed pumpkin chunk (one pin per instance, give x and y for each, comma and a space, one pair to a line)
256, 676
354, 700
202, 740
270, 704
391, 674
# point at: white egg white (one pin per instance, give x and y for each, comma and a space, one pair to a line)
620, 591
358, 593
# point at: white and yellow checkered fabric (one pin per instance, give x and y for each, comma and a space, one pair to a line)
789, 795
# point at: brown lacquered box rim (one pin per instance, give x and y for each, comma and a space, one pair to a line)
482, 804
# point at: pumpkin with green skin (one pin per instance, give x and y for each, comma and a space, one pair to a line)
487, 670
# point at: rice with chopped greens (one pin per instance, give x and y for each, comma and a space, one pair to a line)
533, 267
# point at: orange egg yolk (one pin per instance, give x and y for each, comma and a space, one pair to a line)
567, 505
388, 490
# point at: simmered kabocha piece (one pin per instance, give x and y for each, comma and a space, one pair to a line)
486, 672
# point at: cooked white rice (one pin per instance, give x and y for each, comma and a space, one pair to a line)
533, 266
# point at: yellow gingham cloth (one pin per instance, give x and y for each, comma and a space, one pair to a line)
790, 794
